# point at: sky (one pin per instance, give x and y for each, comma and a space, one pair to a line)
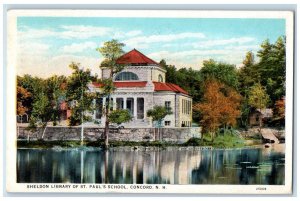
47, 45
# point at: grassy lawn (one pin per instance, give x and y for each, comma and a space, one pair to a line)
220, 141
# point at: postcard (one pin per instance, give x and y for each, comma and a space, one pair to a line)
149, 101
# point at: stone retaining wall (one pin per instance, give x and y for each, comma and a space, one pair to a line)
176, 135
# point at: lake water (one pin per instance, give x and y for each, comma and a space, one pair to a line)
170, 166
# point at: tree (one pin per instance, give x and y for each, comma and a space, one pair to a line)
247, 75
271, 67
189, 79
22, 99
119, 116
158, 113
38, 104
223, 72
231, 107
279, 112
34, 86
111, 51
258, 98
56, 92
42, 108
78, 96
41, 112
220, 106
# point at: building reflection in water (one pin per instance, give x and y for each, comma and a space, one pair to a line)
236, 166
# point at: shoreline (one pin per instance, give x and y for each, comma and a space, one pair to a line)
126, 145
145, 149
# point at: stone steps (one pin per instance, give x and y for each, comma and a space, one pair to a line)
267, 134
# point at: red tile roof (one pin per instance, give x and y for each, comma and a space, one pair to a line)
124, 84
135, 57
160, 86
130, 84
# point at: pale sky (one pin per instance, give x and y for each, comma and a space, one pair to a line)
47, 45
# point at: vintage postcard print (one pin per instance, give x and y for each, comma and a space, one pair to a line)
149, 101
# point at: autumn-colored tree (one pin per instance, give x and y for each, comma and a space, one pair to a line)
279, 111
22, 97
220, 107
230, 110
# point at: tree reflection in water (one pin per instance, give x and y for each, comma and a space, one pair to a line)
174, 166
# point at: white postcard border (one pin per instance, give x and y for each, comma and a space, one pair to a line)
11, 184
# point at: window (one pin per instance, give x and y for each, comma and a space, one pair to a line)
120, 103
160, 78
167, 123
186, 106
168, 105
111, 103
140, 108
126, 76
99, 107
129, 105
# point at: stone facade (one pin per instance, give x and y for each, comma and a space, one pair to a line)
160, 99
139, 87
175, 135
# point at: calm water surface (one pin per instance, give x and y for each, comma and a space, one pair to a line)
236, 166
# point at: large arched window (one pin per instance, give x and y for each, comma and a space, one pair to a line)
160, 78
126, 76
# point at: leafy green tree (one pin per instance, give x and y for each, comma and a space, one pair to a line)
189, 79
78, 96
56, 92
158, 113
111, 51
172, 74
245, 112
119, 116
38, 105
42, 108
225, 73
258, 98
41, 112
272, 68
247, 75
